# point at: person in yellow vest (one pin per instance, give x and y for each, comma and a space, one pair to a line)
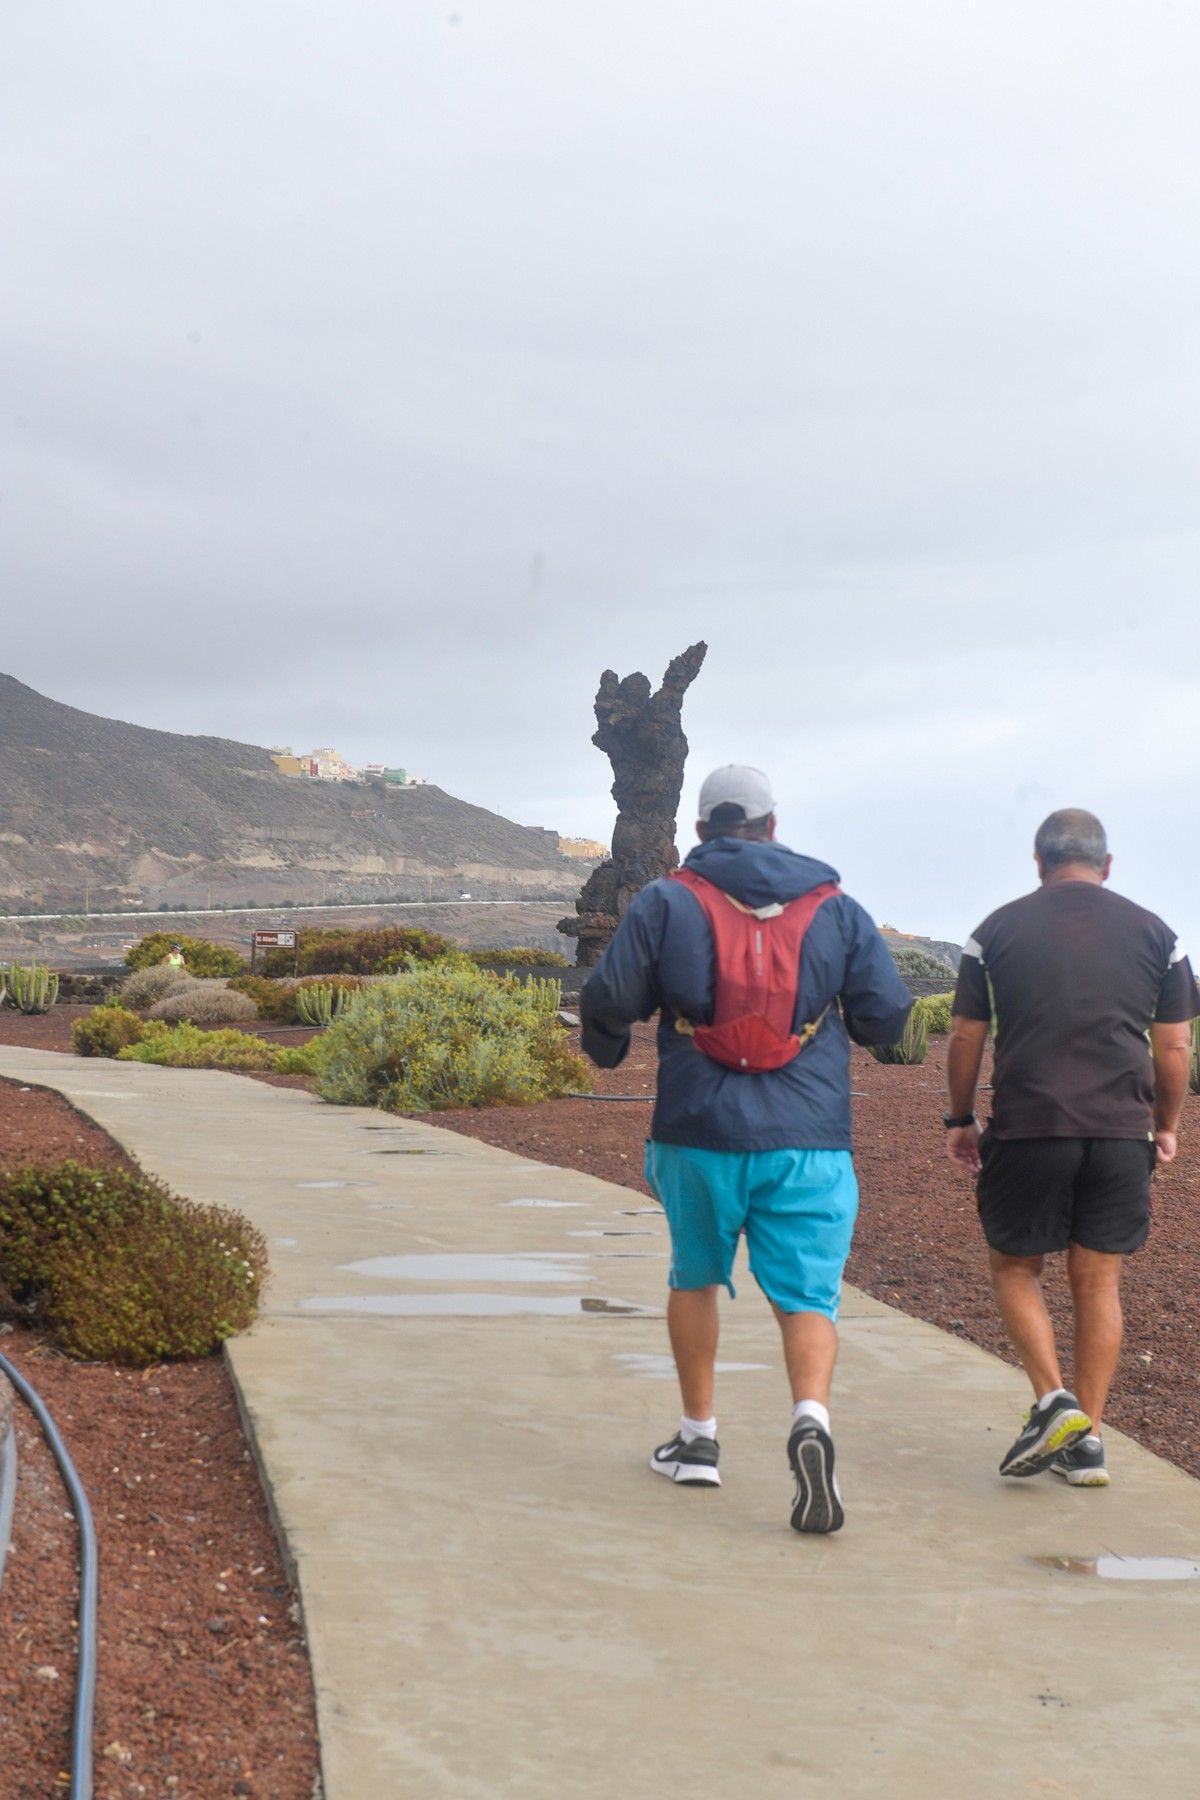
174, 958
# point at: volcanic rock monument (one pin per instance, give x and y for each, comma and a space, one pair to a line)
641, 733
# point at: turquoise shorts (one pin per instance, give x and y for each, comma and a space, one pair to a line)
796, 1207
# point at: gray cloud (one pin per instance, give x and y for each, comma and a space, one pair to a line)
376, 379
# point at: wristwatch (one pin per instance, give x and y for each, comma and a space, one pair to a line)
956, 1124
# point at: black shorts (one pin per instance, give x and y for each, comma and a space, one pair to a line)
1037, 1195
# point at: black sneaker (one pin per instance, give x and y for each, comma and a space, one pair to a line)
1050, 1427
818, 1503
694, 1463
1083, 1464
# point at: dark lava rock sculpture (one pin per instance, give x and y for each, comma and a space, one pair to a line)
642, 735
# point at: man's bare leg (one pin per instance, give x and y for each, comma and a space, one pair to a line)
1017, 1285
693, 1327
810, 1351
1095, 1279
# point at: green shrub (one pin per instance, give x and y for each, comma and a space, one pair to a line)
297, 1059
445, 1037
937, 1010
200, 957
913, 1046
32, 990
205, 1003
187, 1047
523, 956
269, 996
112, 1265
105, 1030
542, 992
343, 950
146, 987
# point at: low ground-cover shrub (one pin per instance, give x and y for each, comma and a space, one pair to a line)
187, 1047
342, 950
114, 1266
913, 1046
523, 956
937, 1012
200, 957
445, 1036
144, 988
105, 1030
204, 1003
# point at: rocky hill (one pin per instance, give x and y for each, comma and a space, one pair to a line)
96, 813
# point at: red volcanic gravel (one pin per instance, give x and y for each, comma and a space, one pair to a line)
918, 1244
204, 1685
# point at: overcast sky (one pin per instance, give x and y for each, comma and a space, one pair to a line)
376, 374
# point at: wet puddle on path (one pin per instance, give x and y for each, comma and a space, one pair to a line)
1123, 1568
662, 1368
599, 1233
533, 1265
474, 1306
546, 1203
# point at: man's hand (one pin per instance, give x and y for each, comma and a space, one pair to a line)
962, 1147
1167, 1145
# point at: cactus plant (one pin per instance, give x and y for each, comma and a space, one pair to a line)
1194, 1063
321, 1004
913, 1046
33, 990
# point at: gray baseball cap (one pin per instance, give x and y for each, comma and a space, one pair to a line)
736, 785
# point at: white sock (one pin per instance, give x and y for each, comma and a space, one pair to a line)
1052, 1395
814, 1410
690, 1429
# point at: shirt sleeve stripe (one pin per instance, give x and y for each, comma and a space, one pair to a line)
1177, 954
973, 947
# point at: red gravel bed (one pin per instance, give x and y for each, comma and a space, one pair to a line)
918, 1244
204, 1685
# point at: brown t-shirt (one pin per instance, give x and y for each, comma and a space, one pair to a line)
1077, 975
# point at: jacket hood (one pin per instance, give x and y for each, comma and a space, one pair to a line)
757, 874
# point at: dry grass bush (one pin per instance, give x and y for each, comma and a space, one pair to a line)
113, 1266
146, 987
205, 1003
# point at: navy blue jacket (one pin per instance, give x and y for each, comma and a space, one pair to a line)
662, 958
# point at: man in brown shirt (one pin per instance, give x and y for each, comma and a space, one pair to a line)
1093, 1001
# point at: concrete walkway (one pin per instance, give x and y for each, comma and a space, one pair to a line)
453, 1421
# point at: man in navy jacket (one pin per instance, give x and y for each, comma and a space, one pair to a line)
765, 1153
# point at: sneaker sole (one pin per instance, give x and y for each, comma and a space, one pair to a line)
817, 1507
1083, 1477
687, 1474
1066, 1429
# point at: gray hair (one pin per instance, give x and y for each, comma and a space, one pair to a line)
1071, 836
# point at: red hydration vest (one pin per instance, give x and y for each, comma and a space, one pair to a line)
758, 974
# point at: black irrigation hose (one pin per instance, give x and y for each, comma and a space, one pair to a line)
85, 1676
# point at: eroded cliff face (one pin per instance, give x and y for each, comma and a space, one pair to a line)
96, 813
641, 733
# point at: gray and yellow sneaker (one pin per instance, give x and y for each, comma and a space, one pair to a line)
1051, 1426
694, 1464
1083, 1464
